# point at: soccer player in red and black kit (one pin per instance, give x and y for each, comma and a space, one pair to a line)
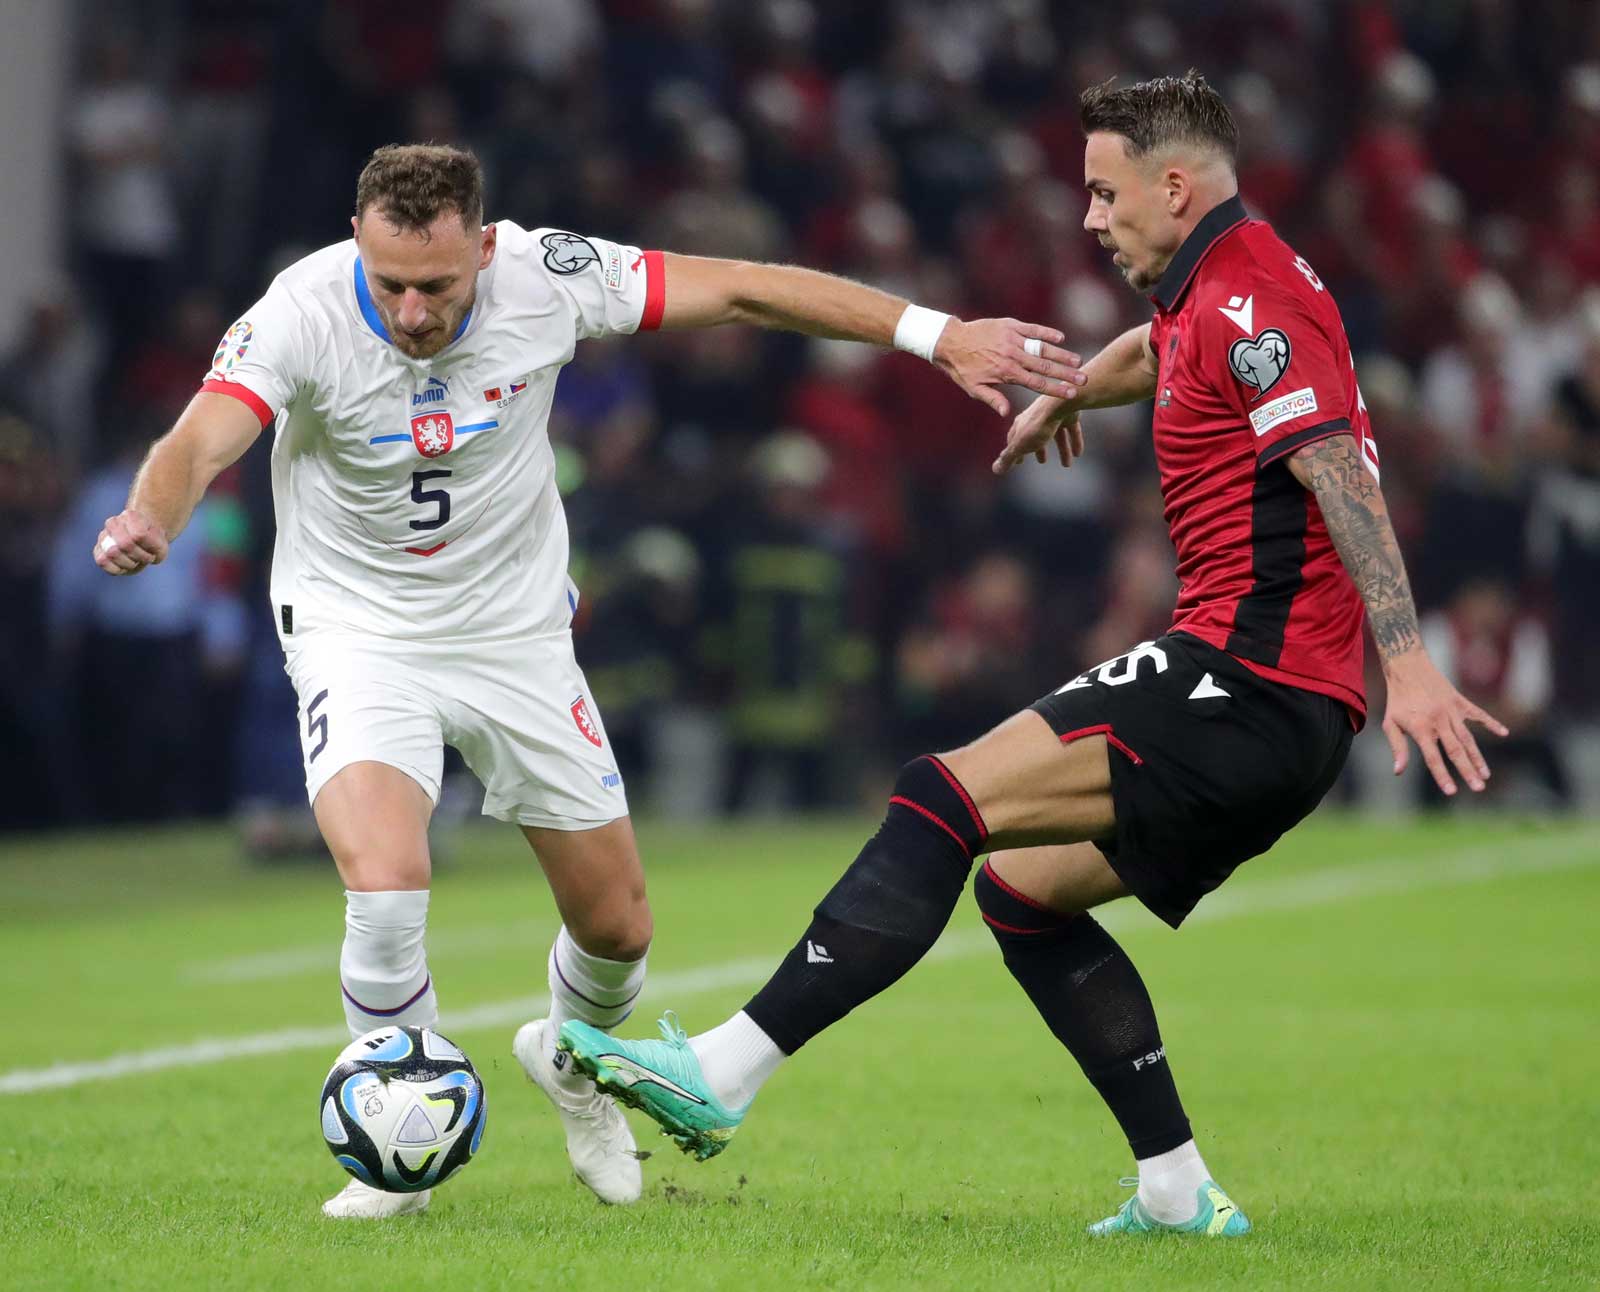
1158, 772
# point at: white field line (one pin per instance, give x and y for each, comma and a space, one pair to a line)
1382, 878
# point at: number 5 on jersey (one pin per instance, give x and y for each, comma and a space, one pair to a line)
438, 497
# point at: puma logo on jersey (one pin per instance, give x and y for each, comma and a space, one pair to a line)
1242, 316
436, 391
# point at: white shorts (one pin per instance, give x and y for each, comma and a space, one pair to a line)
519, 711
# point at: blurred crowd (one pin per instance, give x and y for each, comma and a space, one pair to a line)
797, 568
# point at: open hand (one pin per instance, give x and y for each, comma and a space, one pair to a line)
1041, 422
1424, 706
986, 354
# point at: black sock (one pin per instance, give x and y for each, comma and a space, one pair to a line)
883, 915
1092, 998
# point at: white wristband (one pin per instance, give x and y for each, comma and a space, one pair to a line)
918, 331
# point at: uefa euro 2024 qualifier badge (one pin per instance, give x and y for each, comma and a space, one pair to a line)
234, 343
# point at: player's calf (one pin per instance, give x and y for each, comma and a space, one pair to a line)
884, 913
383, 968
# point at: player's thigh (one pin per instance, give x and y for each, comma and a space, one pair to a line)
1067, 878
1031, 788
521, 714
374, 819
597, 879
373, 750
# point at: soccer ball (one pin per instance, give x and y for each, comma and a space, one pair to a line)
403, 1109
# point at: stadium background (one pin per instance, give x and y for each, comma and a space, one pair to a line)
796, 566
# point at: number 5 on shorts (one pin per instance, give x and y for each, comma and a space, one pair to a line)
316, 726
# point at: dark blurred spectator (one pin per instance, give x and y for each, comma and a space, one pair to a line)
1498, 656
160, 375
1567, 524
126, 204
789, 655
1142, 591
642, 642
220, 131
32, 491
52, 376
140, 656
970, 657
713, 214
1483, 398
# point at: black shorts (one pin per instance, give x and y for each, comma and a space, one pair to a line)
1209, 762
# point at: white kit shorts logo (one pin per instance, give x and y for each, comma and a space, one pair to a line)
1296, 403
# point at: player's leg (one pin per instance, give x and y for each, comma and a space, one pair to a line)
374, 819
1036, 903
547, 766
373, 753
596, 970
1017, 785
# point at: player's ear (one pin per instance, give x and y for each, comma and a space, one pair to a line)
355, 227
486, 249
1179, 189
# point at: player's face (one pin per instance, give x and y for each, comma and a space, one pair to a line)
423, 281
1129, 210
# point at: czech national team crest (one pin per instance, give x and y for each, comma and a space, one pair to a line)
580, 715
433, 434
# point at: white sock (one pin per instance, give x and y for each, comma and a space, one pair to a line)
383, 967
1169, 1181
737, 1058
588, 988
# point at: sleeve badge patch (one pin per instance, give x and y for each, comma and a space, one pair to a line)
234, 343
567, 253
1260, 361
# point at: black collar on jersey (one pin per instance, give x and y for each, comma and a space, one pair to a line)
1219, 221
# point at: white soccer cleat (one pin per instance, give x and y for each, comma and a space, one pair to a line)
357, 1201
599, 1142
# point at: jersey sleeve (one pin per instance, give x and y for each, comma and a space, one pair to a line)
1283, 371
610, 287
261, 360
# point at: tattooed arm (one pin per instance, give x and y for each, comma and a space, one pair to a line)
1422, 703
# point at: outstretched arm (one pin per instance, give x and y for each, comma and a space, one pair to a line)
213, 432
979, 357
1422, 703
1122, 373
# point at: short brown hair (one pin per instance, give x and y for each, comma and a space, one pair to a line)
412, 185
1156, 114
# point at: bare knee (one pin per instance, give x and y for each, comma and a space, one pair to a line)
617, 930
374, 819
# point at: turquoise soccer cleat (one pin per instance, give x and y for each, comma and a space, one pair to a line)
662, 1079
1217, 1217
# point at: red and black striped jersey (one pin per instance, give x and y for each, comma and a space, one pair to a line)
1253, 362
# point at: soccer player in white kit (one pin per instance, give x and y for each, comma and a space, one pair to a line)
419, 580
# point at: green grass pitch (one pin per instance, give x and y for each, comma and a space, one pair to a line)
1386, 1035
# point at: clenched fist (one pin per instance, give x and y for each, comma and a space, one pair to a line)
129, 543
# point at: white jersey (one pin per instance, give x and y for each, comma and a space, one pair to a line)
417, 498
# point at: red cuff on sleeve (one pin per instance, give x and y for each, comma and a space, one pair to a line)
244, 395
655, 291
